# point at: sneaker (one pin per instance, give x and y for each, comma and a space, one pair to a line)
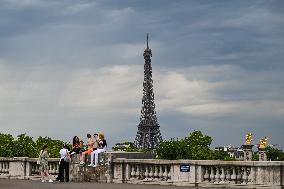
94, 165
42, 180
91, 165
50, 180
82, 163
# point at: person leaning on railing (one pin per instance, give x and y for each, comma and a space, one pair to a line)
64, 164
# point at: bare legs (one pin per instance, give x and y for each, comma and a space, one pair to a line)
45, 174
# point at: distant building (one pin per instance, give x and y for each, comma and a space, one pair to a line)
234, 152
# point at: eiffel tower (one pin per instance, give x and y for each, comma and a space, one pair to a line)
148, 134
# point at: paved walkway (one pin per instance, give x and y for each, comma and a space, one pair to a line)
31, 184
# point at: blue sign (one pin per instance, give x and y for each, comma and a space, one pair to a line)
184, 168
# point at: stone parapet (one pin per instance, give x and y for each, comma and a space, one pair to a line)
115, 167
207, 173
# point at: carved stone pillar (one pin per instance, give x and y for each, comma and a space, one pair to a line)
262, 154
247, 152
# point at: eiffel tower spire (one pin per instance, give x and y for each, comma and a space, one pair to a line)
148, 134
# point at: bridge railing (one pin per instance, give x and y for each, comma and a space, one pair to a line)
208, 173
24, 167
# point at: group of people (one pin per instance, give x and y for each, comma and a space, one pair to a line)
95, 145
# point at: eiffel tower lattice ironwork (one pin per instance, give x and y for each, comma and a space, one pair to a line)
148, 134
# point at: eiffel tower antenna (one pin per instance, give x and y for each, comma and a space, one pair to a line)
147, 40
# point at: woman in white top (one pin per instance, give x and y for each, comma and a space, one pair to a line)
101, 148
64, 164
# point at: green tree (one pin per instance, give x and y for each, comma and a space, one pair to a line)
24, 146
195, 146
220, 155
53, 145
6, 145
127, 147
274, 154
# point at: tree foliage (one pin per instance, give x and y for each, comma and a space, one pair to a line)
196, 146
274, 154
127, 147
25, 146
6, 145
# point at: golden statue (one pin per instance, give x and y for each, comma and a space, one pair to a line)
263, 143
248, 139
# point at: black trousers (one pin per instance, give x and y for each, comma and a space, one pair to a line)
63, 171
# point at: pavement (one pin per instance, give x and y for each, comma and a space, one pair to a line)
36, 184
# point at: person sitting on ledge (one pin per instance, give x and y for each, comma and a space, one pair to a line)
76, 146
101, 148
96, 141
90, 144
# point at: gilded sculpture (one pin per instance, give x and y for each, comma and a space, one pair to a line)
263, 143
248, 139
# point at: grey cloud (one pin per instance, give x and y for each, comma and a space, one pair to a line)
64, 64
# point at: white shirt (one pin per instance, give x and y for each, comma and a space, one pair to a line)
63, 153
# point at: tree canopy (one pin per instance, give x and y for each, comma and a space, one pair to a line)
26, 146
196, 146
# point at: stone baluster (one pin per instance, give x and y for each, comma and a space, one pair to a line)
151, 172
132, 174
137, 173
212, 175
155, 167
239, 175
217, 176
227, 175
38, 169
57, 168
165, 174
251, 175
169, 174
6, 165
1, 167
206, 175
245, 176
222, 176
161, 172
234, 176
52, 168
146, 172
33, 168
142, 171
49, 168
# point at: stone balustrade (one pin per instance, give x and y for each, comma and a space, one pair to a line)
4, 166
207, 173
121, 167
25, 168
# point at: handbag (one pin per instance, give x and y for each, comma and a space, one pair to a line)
67, 157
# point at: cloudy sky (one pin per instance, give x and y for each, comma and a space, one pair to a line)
71, 67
